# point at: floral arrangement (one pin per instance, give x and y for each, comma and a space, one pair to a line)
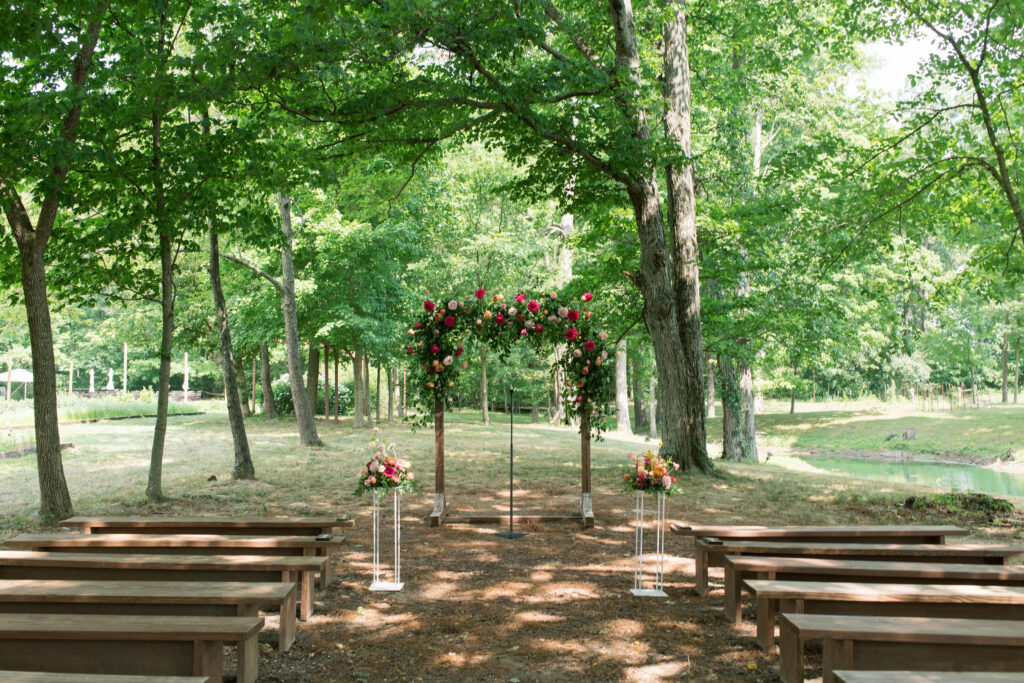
440, 334
650, 473
385, 471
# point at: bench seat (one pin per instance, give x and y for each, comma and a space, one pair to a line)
191, 598
707, 550
739, 568
34, 564
880, 599
903, 533
51, 677
844, 676
128, 644
904, 643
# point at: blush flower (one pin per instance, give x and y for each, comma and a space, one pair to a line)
448, 360
562, 311
577, 353
452, 305
602, 336
513, 311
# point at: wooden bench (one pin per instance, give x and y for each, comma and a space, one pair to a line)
844, 676
147, 645
51, 677
826, 534
227, 526
880, 599
739, 568
189, 598
905, 643
706, 549
182, 544
29, 564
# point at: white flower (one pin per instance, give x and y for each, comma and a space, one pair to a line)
602, 336
554, 295
512, 311
448, 360
563, 311
577, 353
604, 355
452, 305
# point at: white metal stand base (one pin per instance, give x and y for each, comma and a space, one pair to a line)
659, 552
378, 584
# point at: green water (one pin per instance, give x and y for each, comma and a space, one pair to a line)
938, 475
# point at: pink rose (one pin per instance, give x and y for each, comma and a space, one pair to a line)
587, 296
539, 328
418, 325
480, 293
666, 482
389, 471
452, 305
520, 298
395, 479
434, 348
571, 334
522, 331
533, 306
428, 306
374, 466
449, 321
579, 399
563, 311
500, 319
448, 360
370, 481
410, 476
574, 315
589, 345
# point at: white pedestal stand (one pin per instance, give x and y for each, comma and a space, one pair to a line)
659, 559
378, 584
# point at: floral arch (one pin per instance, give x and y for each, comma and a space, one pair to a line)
439, 335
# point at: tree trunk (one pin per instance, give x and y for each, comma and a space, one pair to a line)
401, 403
484, 407
243, 468
748, 426
337, 392
639, 415
621, 390
367, 413
376, 410
313, 375
652, 423
711, 388
558, 381
154, 487
1016, 369
240, 392
732, 434
357, 389
327, 381
269, 410
1006, 370
303, 410
391, 394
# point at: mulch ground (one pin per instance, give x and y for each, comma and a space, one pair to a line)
551, 606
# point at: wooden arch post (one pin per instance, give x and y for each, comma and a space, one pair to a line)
440, 504
586, 504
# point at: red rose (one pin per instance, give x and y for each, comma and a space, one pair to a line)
428, 306
408, 350
434, 348
449, 321
533, 307
589, 345
539, 328
587, 296
574, 315
480, 293
458, 352
418, 325
500, 319
430, 371
571, 334
520, 298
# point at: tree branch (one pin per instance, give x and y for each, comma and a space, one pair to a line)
256, 269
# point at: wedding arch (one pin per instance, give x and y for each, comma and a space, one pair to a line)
443, 328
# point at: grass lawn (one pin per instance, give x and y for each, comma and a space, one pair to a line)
551, 606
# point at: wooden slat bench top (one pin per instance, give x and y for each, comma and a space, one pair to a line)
171, 592
319, 524
167, 540
861, 549
752, 532
828, 566
909, 629
844, 676
51, 677
234, 563
885, 592
127, 627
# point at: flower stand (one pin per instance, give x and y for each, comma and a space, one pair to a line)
378, 584
659, 560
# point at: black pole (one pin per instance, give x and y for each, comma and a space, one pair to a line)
511, 507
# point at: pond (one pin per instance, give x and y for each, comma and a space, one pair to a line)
936, 474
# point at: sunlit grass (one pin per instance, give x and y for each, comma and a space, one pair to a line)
71, 408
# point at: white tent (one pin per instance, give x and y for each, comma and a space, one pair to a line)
16, 376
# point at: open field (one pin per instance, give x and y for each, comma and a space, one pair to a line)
548, 607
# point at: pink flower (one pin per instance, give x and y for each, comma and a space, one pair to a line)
571, 334
428, 306
587, 296
500, 319
389, 471
448, 360
522, 331
370, 481
574, 315
539, 328
418, 325
374, 466
579, 399
480, 293
458, 352
408, 349
563, 311
533, 306
666, 482
520, 298
577, 353
434, 348
410, 476
452, 305
449, 321
602, 336
395, 479
589, 345
554, 295
513, 310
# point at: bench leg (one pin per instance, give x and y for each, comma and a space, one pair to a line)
325, 575
791, 654
700, 564
836, 654
286, 625
766, 609
733, 597
207, 659
248, 659
305, 595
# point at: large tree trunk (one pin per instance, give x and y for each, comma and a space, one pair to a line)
243, 468
313, 375
710, 385
357, 388
484, 407
269, 410
732, 448
303, 411
240, 392
639, 414
682, 212
652, 422
154, 487
621, 390
327, 381
748, 425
